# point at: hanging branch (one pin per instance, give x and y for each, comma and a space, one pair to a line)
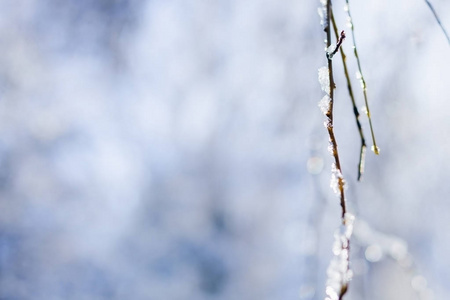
375, 148
362, 152
438, 20
339, 273
328, 86
338, 184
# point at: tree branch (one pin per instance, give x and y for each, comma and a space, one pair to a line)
362, 152
329, 114
438, 20
375, 148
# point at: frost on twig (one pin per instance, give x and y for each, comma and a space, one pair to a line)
338, 272
333, 49
438, 20
323, 14
324, 104
362, 152
337, 180
360, 76
324, 80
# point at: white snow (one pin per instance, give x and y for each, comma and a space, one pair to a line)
336, 177
324, 104
338, 272
324, 79
330, 51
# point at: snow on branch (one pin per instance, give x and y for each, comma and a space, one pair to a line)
338, 272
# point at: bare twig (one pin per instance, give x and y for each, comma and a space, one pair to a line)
340, 40
339, 268
329, 114
438, 20
375, 148
362, 152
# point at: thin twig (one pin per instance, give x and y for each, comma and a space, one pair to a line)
438, 20
329, 114
340, 40
362, 152
375, 148
342, 241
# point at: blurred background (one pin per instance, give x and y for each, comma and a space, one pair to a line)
175, 150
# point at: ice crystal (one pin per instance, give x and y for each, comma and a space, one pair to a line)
349, 23
324, 79
361, 79
336, 178
330, 148
331, 51
324, 104
349, 220
322, 10
322, 13
338, 272
364, 110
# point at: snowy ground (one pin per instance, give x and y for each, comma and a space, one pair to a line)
175, 150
